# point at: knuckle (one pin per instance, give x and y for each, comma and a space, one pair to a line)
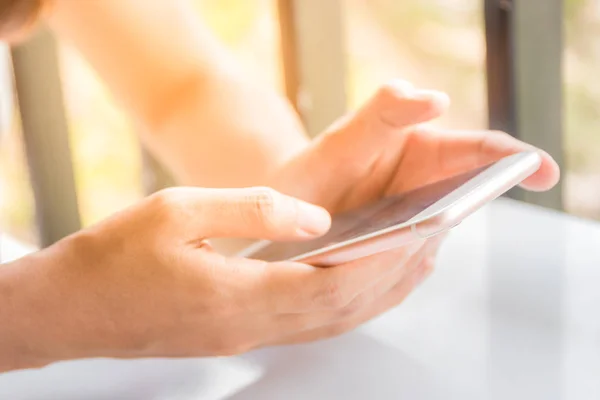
165, 196
427, 266
263, 199
85, 243
263, 205
353, 307
333, 296
165, 203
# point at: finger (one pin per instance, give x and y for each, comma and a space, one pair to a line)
399, 104
370, 296
356, 314
393, 294
394, 297
395, 106
298, 323
260, 213
433, 154
298, 288
429, 250
248, 291
400, 292
366, 300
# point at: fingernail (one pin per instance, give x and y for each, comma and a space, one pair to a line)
313, 220
401, 87
440, 99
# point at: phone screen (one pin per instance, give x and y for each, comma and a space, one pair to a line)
385, 213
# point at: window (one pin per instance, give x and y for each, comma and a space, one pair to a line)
106, 153
16, 198
433, 43
582, 108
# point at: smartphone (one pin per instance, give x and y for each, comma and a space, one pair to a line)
397, 220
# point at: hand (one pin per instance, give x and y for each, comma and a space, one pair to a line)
382, 150
145, 283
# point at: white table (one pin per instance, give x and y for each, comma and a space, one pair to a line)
512, 312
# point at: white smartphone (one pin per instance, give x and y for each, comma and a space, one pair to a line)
394, 221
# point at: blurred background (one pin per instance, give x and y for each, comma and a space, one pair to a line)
433, 43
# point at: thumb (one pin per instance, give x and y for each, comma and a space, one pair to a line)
256, 213
394, 107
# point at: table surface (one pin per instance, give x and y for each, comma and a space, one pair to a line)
512, 312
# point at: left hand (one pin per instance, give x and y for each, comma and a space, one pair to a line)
382, 150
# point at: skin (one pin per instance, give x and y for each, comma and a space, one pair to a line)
384, 149
146, 283
182, 89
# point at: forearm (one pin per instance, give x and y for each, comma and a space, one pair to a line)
229, 134
37, 299
198, 112
19, 318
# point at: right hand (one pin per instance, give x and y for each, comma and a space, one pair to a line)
146, 283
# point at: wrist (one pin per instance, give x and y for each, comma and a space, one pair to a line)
33, 310
21, 333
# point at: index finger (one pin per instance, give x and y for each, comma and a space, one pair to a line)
452, 152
